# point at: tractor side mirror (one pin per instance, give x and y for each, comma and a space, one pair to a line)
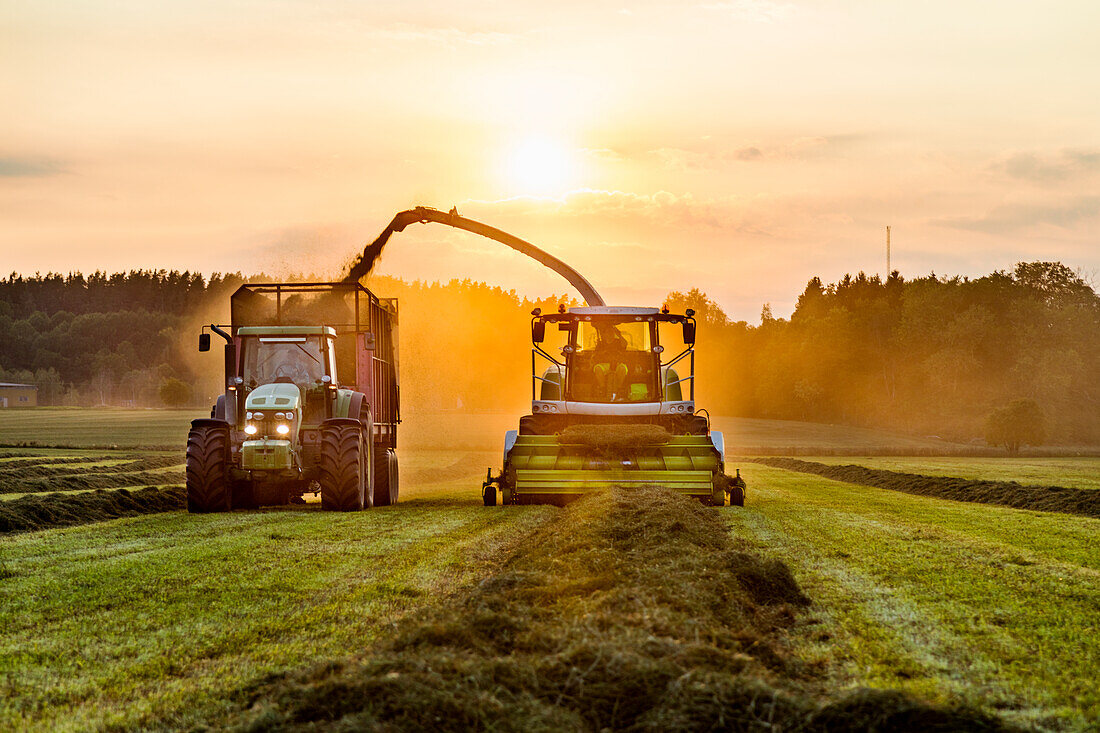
538, 331
204, 341
689, 332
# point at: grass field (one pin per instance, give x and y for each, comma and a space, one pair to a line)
1076, 473
112, 622
160, 617
129, 428
996, 607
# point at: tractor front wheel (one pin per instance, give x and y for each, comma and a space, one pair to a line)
344, 469
208, 485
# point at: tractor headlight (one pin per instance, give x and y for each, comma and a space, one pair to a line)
250, 429
282, 429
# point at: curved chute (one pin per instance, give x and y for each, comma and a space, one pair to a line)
423, 215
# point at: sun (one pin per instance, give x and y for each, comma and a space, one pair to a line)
539, 165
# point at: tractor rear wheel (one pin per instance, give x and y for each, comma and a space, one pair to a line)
345, 466
385, 476
208, 485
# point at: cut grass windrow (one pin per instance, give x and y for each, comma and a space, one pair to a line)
98, 465
632, 611
1083, 502
86, 481
45, 511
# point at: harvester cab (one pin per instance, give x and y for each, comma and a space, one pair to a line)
310, 402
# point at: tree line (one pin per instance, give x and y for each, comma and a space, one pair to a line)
932, 355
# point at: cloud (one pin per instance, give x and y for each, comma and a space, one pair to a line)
679, 158
1062, 166
16, 166
1017, 217
661, 207
756, 11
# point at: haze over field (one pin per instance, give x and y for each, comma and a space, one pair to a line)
739, 146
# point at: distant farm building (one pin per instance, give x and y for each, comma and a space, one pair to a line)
18, 395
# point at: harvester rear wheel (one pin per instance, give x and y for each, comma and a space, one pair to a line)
385, 476
344, 469
208, 486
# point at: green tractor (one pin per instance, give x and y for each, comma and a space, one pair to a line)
310, 402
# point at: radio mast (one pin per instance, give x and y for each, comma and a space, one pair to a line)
888, 270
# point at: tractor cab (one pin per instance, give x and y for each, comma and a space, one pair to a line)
302, 358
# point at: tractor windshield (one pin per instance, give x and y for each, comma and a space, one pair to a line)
613, 361
293, 359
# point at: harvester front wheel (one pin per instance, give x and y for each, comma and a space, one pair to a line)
385, 476
737, 495
344, 466
208, 485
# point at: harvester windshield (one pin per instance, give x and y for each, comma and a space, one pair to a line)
613, 360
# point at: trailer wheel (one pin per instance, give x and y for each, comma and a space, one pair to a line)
208, 486
385, 476
344, 469
395, 478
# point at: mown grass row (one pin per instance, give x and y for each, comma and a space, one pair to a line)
1076, 473
48, 511
632, 610
120, 623
954, 602
1084, 502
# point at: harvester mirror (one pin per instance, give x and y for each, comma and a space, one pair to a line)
204, 341
689, 332
538, 330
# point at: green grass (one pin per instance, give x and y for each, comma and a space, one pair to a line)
89, 427
148, 618
948, 600
1077, 473
114, 622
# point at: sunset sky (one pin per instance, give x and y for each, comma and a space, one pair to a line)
739, 146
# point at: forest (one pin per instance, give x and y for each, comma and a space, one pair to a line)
931, 355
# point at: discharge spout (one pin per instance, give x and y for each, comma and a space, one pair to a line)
423, 215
